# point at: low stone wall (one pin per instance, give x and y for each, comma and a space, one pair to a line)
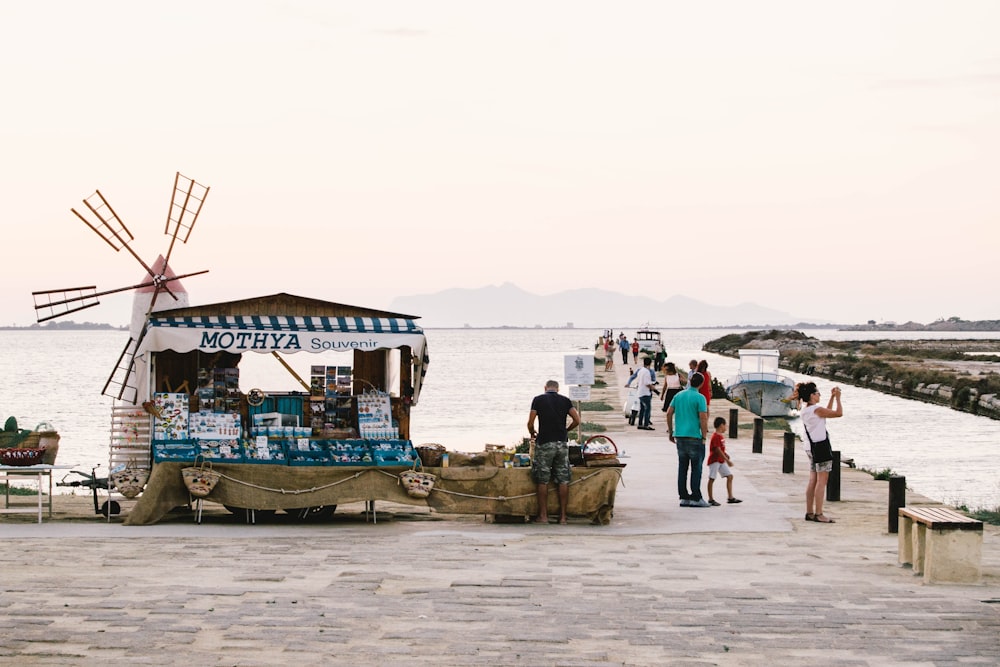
987, 405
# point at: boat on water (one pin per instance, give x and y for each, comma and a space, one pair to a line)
759, 385
649, 340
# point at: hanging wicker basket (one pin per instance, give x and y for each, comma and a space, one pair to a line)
417, 484
200, 479
130, 481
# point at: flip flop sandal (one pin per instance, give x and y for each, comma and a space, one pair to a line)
820, 518
810, 517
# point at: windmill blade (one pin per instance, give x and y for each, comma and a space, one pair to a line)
122, 373
73, 299
109, 226
185, 206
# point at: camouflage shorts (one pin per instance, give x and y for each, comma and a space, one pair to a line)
551, 463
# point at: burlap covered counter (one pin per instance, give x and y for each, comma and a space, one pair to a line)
458, 490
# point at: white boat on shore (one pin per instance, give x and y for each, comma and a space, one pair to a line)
760, 387
649, 340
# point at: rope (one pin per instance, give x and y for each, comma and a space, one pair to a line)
295, 492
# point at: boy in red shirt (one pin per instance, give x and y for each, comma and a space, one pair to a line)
719, 462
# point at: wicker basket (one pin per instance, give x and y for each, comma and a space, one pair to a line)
200, 479
19, 438
130, 481
430, 455
417, 484
49, 441
21, 456
593, 451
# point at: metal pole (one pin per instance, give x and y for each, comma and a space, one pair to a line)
734, 417
758, 435
788, 455
897, 499
833, 483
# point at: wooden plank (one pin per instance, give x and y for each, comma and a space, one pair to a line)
939, 518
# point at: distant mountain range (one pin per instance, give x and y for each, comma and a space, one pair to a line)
509, 305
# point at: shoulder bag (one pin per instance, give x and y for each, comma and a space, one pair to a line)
821, 450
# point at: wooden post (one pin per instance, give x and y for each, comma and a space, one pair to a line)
788, 455
897, 499
833, 483
734, 417
758, 435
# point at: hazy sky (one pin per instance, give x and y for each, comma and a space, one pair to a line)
834, 160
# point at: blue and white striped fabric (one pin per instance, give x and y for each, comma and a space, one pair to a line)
238, 334
282, 323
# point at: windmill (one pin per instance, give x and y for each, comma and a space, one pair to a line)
185, 205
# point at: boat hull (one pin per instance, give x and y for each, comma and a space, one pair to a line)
764, 398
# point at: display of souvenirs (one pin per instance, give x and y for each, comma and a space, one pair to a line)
263, 449
331, 404
218, 389
226, 451
174, 450
171, 422
394, 453
375, 416
215, 425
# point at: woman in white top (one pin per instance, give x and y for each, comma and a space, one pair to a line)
672, 383
814, 418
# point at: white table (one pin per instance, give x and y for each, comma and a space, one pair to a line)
36, 473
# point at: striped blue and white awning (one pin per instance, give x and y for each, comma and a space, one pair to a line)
286, 335
282, 323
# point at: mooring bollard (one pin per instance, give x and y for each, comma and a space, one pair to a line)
897, 499
758, 435
833, 483
734, 417
788, 456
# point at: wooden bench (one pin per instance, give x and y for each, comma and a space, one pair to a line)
941, 544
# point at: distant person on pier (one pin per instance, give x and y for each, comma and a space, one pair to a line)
687, 426
623, 344
706, 385
551, 460
692, 368
818, 447
659, 358
635, 350
609, 354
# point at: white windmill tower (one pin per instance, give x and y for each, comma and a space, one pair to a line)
185, 205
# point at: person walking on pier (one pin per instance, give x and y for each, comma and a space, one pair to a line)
671, 383
691, 413
644, 382
814, 418
719, 463
551, 459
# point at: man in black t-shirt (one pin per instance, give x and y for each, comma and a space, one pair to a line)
551, 459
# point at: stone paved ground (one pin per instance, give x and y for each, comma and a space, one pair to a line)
746, 584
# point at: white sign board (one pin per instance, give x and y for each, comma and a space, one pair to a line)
579, 392
579, 369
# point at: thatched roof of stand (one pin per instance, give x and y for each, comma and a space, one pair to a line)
280, 304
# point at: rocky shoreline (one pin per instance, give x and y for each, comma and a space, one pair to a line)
961, 374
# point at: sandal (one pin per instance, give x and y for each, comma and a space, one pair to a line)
810, 516
822, 518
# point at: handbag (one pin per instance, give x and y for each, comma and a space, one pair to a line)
130, 480
200, 479
417, 484
821, 451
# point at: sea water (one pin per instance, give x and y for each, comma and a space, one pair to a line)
478, 391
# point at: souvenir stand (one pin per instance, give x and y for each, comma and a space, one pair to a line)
341, 435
